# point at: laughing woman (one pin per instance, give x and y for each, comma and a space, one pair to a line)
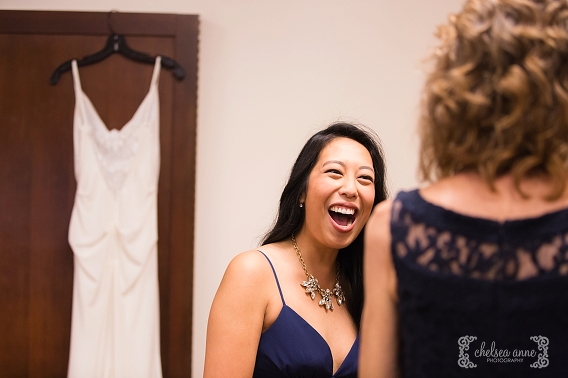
292, 308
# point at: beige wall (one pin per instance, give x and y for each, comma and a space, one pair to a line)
272, 72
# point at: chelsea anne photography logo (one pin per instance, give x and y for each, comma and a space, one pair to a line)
491, 354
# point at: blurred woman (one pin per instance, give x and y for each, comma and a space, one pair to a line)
467, 277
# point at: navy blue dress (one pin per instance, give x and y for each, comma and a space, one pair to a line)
291, 348
480, 298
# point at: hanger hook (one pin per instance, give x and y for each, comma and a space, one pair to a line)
109, 21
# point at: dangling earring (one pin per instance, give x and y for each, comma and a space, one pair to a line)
301, 204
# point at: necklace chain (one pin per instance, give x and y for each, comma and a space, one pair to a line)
312, 285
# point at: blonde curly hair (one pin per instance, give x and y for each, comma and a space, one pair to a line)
496, 101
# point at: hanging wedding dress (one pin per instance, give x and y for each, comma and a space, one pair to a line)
113, 234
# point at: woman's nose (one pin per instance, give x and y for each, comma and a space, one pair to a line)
348, 189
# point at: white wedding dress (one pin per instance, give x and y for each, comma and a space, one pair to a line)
113, 233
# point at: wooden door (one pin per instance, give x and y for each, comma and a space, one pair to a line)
37, 183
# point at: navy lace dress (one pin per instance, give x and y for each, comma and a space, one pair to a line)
292, 348
480, 298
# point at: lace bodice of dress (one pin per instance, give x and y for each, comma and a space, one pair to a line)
115, 151
480, 248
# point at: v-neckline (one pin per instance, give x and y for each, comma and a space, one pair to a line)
322, 339
103, 127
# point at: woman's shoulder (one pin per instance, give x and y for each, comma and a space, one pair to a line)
381, 214
254, 264
248, 265
243, 285
377, 230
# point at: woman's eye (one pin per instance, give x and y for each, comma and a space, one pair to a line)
333, 171
367, 178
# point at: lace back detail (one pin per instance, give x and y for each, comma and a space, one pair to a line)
500, 256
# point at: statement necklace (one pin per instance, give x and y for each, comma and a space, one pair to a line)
312, 285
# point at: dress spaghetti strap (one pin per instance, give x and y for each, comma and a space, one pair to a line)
275, 277
78, 89
156, 73
76, 80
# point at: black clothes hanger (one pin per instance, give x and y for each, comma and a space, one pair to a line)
116, 43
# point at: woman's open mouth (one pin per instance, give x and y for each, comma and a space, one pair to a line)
343, 216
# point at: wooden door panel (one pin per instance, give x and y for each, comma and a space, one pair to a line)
15, 204
37, 183
36, 161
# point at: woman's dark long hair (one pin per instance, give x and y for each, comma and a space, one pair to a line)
290, 217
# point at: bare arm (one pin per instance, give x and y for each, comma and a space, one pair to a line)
379, 337
236, 318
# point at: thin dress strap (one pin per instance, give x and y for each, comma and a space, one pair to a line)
78, 89
76, 79
156, 73
275, 277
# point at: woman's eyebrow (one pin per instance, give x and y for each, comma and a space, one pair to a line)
334, 162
